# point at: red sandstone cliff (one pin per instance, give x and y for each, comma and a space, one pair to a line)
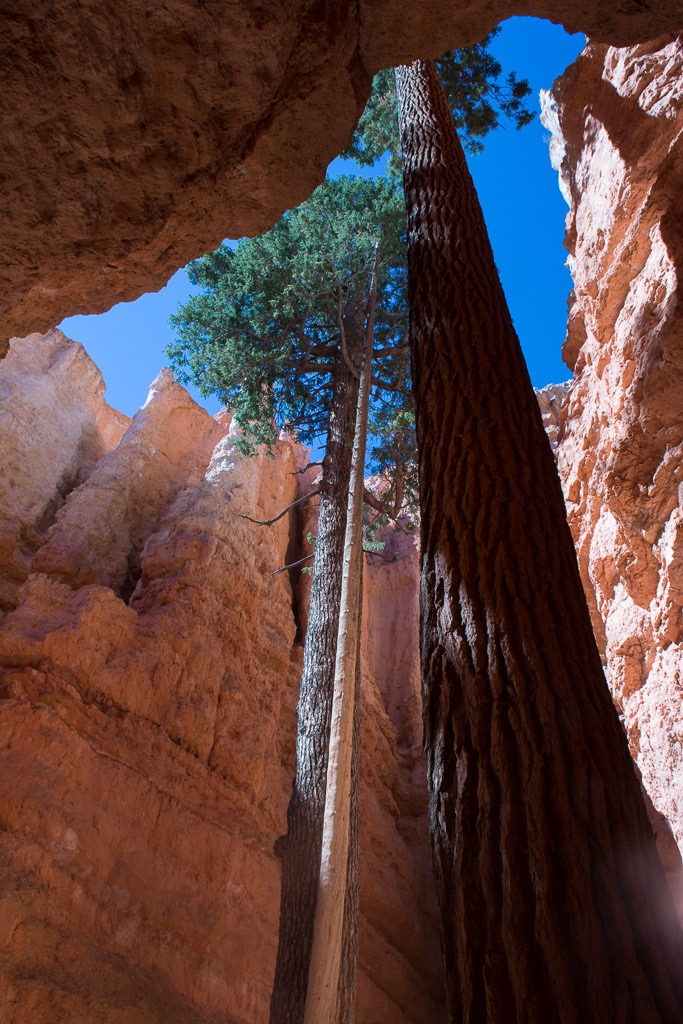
148, 670
148, 678
138, 136
617, 122
52, 436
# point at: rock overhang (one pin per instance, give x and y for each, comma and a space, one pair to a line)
136, 138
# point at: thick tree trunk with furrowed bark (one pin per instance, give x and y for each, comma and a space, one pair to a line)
553, 903
299, 849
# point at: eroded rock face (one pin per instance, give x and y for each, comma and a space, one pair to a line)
617, 122
550, 400
147, 747
52, 435
99, 537
138, 137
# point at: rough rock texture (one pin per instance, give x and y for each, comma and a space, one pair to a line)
617, 118
147, 748
550, 399
52, 435
99, 536
137, 136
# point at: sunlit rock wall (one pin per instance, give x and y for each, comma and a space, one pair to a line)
52, 435
148, 680
617, 116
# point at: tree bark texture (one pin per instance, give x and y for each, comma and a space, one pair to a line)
553, 903
346, 996
299, 849
326, 953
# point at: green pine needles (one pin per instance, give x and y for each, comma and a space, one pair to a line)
273, 318
269, 327
476, 94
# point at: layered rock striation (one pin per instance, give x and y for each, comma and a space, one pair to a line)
617, 121
148, 679
137, 137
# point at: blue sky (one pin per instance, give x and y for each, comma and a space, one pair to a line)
524, 212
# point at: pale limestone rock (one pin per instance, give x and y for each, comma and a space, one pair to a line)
54, 428
550, 401
617, 123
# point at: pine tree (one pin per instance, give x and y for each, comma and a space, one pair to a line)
479, 97
324, 999
279, 334
546, 868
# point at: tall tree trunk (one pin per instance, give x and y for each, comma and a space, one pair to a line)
325, 969
299, 849
346, 995
553, 902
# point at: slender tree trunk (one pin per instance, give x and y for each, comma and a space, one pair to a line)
346, 996
299, 849
553, 903
326, 963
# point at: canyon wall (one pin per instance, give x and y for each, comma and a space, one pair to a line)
617, 121
148, 680
149, 660
52, 435
138, 136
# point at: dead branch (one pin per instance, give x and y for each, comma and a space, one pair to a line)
383, 507
292, 565
298, 472
269, 522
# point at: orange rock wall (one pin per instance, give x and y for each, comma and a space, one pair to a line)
137, 136
617, 122
148, 679
52, 435
149, 661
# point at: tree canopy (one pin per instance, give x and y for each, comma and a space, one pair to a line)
477, 94
271, 322
265, 334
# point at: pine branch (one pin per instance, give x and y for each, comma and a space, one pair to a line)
377, 382
382, 506
393, 351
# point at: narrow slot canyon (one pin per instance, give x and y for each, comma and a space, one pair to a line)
151, 651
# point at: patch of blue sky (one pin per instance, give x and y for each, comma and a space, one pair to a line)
524, 212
